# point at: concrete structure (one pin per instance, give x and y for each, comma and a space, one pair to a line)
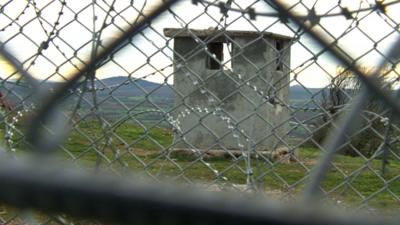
247, 84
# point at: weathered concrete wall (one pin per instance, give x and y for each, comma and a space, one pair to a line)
261, 121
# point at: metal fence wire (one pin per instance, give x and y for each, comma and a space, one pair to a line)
150, 112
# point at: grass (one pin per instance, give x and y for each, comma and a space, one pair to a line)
352, 181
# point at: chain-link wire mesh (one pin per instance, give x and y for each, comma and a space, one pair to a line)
289, 100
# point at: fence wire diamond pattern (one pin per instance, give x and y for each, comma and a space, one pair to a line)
291, 100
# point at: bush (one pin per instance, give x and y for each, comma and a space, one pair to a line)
368, 138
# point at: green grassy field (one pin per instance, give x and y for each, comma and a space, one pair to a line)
351, 181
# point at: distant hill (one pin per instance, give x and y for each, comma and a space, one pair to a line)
299, 93
140, 95
118, 86
124, 87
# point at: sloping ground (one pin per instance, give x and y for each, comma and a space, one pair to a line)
351, 181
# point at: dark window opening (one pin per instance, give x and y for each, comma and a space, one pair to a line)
279, 48
215, 49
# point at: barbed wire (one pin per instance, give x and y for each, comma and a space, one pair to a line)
252, 13
145, 128
16, 18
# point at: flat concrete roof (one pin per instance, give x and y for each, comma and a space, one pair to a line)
184, 32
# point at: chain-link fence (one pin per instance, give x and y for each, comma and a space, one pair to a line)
293, 101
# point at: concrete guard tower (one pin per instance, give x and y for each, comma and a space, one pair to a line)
242, 74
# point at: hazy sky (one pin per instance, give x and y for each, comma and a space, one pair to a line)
60, 56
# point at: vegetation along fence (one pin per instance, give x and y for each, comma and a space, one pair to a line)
202, 111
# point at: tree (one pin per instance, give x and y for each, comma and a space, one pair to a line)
344, 86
